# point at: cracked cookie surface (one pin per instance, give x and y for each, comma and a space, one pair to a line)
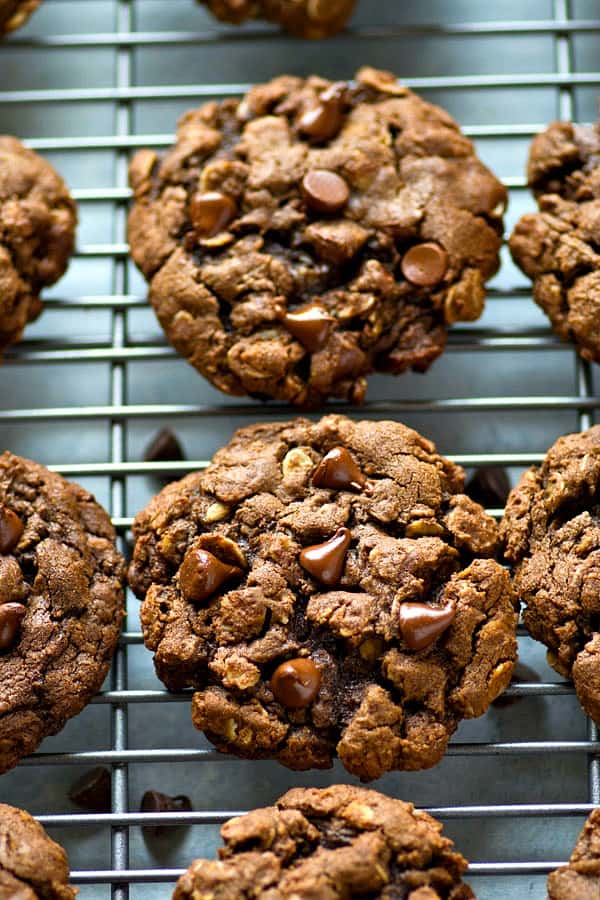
304, 18
580, 879
61, 603
37, 234
337, 842
32, 865
14, 13
312, 233
558, 247
326, 588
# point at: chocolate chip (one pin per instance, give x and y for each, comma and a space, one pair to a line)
93, 790
424, 264
296, 683
11, 616
11, 529
211, 213
324, 191
421, 623
156, 802
323, 121
164, 447
338, 471
310, 324
325, 562
202, 574
489, 486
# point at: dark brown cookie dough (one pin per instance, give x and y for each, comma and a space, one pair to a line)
558, 247
37, 234
61, 603
314, 232
32, 866
304, 18
551, 531
373, 646
14, 13
580, 880
339, 842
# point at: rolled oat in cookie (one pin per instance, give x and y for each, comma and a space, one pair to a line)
580, 879
327, 589
61, 603
14, 13
37, 234
313, 232
304, 18
559, 246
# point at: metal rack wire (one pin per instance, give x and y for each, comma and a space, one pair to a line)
120, 346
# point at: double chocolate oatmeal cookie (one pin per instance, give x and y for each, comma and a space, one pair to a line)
339, 842
37, 234
32, 866
305, 18
61, 603
559, 246
14, 13
314, 232
580, 879
326, 588
551, 531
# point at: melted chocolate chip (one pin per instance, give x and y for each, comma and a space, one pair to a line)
325, 562
93, 790
156, 802
202, 574
424, 264
310, 325
421, 623
323, 121
11, 616
296, 683
324, 191
11, 529
489, 486
338, 471
211, 213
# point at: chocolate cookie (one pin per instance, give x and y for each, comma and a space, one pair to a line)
314, 232
32, 866
551, 532
14, 13
37, 234
580, 880
557, 247
304, 18
326, 588
61, 603
337, 842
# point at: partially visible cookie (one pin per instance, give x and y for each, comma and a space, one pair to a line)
551, 532
338, 842
32, 866
304, 18
327, 589
557, 247
580, 879
61, 603
314, 232
14, 13
37, 234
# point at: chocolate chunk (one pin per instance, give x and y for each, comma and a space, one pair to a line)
325, 562
338, 471
310, 325
424, 264
11, 529
323, 121
296, 683
156, 802
164, 447
421, 623
325, 191
11, 616
202, 574
211, 213
93, 790
489, 486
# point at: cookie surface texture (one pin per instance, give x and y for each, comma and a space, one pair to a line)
14, 13
304, 18
580, 879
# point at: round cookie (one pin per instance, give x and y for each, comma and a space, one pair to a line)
14, 13
327, 589
338, 842
32, 866
557, 247
37, 234
580, 879
551, 533
61, 603
304, 18
314, 232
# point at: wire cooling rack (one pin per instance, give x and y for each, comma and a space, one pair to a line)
85, 83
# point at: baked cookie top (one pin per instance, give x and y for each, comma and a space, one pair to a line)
580, 880
14, 13
32, 866
557, 247
326, 588
314, 232
37, 234
304, 18
551, 532
340, 841
61, 603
